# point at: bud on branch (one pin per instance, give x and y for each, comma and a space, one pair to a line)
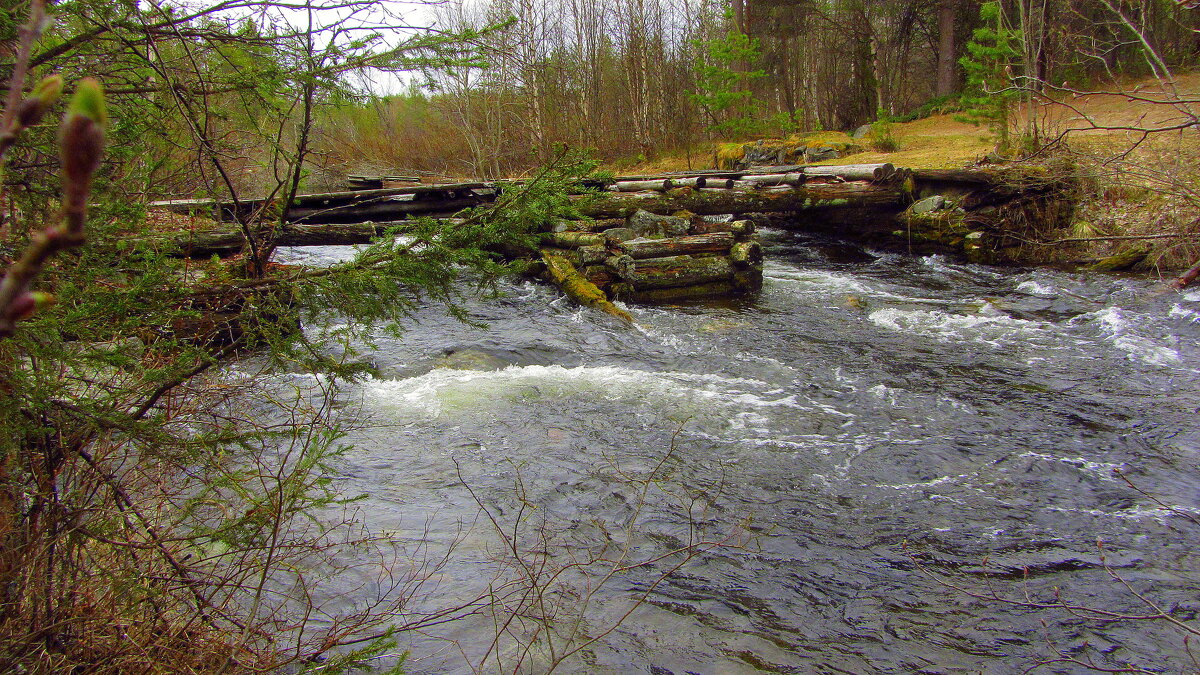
81, 145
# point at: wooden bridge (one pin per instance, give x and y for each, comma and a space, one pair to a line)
978, 212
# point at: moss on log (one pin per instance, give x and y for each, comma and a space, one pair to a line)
655, 295
578, 288
572, 239
746, 254
715, 202
717, 242
680, 271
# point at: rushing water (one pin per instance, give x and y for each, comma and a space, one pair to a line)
881, 436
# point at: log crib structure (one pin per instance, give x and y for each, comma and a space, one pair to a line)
654, 238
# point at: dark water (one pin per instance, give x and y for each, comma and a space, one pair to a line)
883, 438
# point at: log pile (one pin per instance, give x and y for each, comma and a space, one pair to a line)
655, 258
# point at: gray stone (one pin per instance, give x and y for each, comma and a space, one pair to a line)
861, 132
928, 205
820, 154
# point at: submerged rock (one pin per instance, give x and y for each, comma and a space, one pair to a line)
470, 359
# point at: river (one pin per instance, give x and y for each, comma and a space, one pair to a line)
888, 449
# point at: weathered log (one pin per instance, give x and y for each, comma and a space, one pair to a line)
578, 288
572, 239
579, 257
586, 225
871, 172
680, 271
627, 292
613, 237
590, 255
1187, 277
621, 265
746, 254
713, 202
640, 185
648, 224
748, 280
717, 242
741, 229
1121, 261
771, 179
599, 275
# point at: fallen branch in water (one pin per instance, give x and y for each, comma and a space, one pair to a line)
1187, 277
1131, 237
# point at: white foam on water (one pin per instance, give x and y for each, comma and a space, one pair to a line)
924, 484
443, 390
1102, 470
1120, 333
1035, 288
820, 281
1178, 312
1157, 513
991, 328
1192, 296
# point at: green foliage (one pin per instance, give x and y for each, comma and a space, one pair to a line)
939, 105
722, 84
991, 56
880, 136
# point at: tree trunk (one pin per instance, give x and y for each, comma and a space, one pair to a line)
947, 64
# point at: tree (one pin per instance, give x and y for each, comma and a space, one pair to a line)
947, 55
722, 84
155, 512
991, 90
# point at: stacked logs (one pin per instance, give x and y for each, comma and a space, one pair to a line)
652, 258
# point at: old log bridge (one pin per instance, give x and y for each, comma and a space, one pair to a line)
356, 216
984, 213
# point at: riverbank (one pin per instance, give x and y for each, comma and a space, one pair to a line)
1138, 185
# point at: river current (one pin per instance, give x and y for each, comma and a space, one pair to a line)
876, 460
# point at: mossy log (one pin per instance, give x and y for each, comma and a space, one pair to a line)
572, 239
600, 275
586, 225
621, 265
1121, 261
579, 257
717, 242
680, 271
578, 288
716, 202
655, 295
746, 253
740, 229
